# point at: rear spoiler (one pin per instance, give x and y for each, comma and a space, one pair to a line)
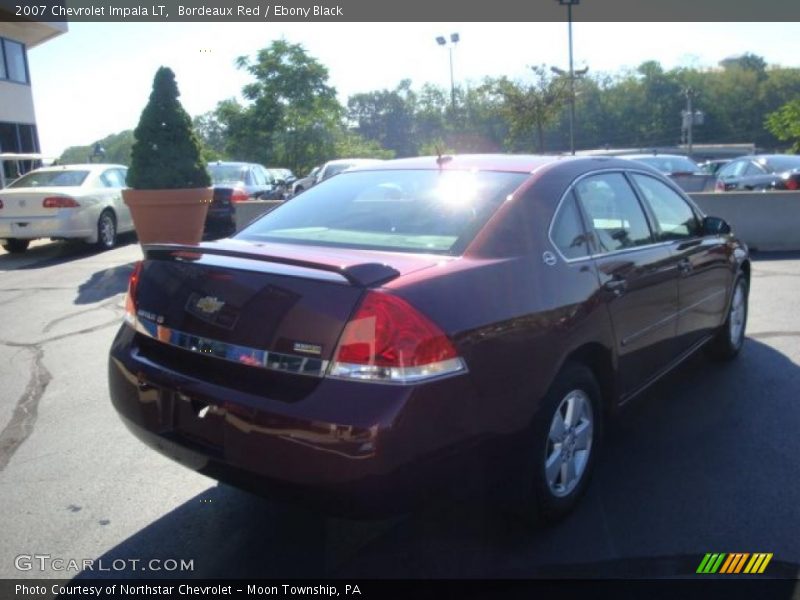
361, 275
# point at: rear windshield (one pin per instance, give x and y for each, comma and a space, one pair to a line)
226, 173
778, 164
406, 210
50, 179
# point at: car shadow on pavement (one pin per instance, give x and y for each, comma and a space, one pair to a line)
54, 253
775, 255
703, 462
104, 284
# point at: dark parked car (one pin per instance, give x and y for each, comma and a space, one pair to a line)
689, 176
402, 328
236, 182
760, 172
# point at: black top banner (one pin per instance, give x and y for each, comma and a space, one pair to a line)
405, 11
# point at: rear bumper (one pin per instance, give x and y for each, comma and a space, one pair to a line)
346, 448
64, 223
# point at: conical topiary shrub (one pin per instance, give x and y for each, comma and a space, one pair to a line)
169, 185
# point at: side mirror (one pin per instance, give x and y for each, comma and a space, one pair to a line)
715, 226
280, 182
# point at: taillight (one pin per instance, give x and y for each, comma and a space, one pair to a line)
130, 298
792, 183
389, 341
719, 186
59, 202
239, 195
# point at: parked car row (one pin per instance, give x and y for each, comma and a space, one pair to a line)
759, 172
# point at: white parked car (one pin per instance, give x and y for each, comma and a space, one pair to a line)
65, 202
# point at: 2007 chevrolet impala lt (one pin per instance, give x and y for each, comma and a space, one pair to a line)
405, 326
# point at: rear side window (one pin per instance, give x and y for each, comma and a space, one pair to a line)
675, 219
567, 233
613, 211
428, 211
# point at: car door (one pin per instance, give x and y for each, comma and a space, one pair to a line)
109, 193
114, 181
704, 273
638, 281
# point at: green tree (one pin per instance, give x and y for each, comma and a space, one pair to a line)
166, 151
293, 116
387, 117
784, 124
117, 147
531, 107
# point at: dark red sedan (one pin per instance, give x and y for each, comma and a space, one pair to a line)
422, 325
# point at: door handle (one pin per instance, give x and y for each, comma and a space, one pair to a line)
616, 285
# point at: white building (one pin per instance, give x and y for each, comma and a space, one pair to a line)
17, 118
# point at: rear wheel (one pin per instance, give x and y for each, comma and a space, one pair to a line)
106, 231
566, 439
16, 246
730, 338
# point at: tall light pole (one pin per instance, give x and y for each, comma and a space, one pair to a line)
454, 39
569, 4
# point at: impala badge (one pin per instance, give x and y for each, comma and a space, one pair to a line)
209, 305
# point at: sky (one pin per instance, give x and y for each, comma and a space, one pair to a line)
95, 79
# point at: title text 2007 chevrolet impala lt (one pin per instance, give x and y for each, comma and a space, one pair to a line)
404, 326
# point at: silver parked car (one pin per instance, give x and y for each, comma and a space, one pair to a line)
65, 202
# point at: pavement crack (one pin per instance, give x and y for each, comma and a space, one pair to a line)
24, 418
109, 303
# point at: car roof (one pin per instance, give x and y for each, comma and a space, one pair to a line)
231, 163
659, 155
353, 161
519, 163
80, 167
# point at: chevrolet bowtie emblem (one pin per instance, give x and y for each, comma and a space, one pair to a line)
209, 305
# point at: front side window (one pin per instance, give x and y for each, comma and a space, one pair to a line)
427, 211
614, 212
568, 234
15, 61
675, 219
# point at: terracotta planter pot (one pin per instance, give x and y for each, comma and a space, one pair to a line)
169, 216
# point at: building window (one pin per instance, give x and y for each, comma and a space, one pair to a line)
14, 67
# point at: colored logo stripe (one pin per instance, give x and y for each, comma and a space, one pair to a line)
710, 563
734, 562
758, 563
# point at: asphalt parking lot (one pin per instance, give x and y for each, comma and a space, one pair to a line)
707, 461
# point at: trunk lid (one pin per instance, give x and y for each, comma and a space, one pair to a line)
27, 202
258, 303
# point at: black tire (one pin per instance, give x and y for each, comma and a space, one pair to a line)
106, 230
727, 343
542, 504
16, 246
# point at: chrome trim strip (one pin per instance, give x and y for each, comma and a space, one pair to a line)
569, 189
242, 355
